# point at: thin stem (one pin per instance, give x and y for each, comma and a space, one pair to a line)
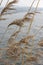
22, 59
1, 16
4, 7
30, 8
33, 17
38, 31
31, 25
17, 32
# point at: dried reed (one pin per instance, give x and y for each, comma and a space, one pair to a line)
26, 39
14, 49
2, 18
14, 52
8, 6
41, 43
21, 21
31, 58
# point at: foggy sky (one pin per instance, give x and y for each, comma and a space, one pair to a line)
24, 3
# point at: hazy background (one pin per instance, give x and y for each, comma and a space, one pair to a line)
24, 3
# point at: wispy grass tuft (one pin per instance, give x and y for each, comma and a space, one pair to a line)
23, 49
7, 7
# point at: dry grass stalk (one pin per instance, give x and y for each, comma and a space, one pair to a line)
12, 41
0, 55
22, 59
39, 54
23, 20
26, 39
17, 22
30, 8
31, 58
38, 31
8, 7
31, 25
20, 21
2, 18
25, 17
25, 51
14, 52
40, 43
14, 34
33, 17
12, 46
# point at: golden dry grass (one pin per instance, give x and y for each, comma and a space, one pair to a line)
2, 18
32, 58
8, 6
40, 43
14, 49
